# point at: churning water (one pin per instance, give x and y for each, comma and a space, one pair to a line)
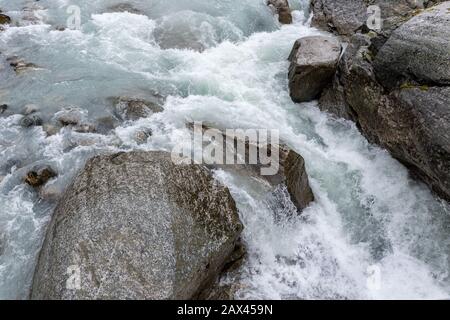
372, 232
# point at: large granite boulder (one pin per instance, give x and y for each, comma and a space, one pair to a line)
137, 226
313, 63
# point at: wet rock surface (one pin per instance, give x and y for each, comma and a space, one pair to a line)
126, 108
313, 64
40, 176
138, 227
291, 166
396, 90
4, 19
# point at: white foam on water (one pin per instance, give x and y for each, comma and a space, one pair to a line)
368, 214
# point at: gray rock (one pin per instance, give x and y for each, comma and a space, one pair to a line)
344, 16
124, 7
19, 65
138, 227
313, 64
134, 109
3, 108
412, 122
76, 118
39, 176
31, 120
419, 50
282, 9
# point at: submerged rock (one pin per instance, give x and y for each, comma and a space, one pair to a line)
134, 109
123, 7
281, 7
291, 166
4, 19
3, 108
76, 118
313, 63
137, 226
40, 176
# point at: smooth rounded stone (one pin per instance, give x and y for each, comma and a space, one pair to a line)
137, 226
134, 108
31, 120
313, 63
281, 7
40, 176
4, 19
419, 50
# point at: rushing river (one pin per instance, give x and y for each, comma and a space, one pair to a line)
372, 233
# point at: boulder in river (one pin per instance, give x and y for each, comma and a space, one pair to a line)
20, 65
40, 176
313, 63
137, 226
282, 9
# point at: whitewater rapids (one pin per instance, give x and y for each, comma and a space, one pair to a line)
369, 218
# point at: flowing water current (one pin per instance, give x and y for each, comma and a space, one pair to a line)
372, 233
